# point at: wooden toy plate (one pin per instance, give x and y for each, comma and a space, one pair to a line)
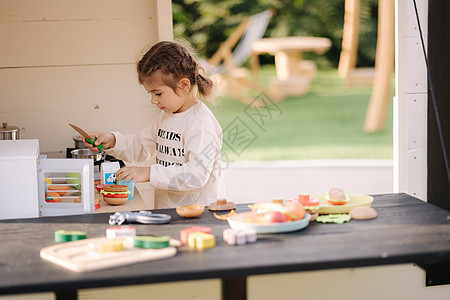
81, 256
355, 201
271, 228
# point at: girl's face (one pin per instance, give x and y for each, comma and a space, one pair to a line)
165, 98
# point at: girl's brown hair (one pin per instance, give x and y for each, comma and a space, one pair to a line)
174, 61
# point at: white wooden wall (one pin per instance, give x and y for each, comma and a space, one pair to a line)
410, 102
67, 61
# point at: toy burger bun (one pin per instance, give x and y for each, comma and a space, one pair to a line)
337, 196
115, 194
190, 211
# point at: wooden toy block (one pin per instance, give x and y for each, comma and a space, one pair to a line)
120, 231
239, 236
62, 236
184, 234
152, 242
201, 240
111, 246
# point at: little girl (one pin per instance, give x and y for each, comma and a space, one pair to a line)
185, 135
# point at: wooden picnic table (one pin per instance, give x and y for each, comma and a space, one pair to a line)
293, 73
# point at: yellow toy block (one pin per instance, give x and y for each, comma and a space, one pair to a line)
201, 240
111, 246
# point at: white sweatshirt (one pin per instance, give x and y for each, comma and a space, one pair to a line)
188, 156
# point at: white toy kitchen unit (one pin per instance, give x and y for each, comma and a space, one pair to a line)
34, 186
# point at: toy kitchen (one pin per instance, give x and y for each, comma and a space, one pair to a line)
48, 184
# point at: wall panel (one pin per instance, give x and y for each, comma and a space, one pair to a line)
61, 10
32, 44
67, 61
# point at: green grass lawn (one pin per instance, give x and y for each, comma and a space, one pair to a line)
327, 123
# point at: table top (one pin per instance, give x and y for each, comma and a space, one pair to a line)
406, 230
292, 44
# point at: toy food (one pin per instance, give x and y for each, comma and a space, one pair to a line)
152, 242
310, 204
269, 213
60, 189
337, 196
190, 211
120, 231
115, 194
250, 217
239, 236
363, 213
74, 179
291, 210
278, 200
201, 240
184, 233
96, 202
52, 197
222, 204
274, 217
334, 218
99, 187
62, 236
224, 217
113, 245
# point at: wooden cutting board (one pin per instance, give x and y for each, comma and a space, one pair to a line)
81, 256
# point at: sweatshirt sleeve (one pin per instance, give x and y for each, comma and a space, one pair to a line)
202, 151
134, 148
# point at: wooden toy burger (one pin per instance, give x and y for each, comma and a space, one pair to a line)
115, 194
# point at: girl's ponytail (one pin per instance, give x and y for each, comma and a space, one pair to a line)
205, 85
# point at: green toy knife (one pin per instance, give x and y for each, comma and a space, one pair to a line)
88, 138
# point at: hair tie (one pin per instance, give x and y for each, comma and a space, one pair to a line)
197, 73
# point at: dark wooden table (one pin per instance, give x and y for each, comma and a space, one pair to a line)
406, 230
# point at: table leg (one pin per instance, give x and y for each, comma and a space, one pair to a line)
254, 65
67, 295
234, 288
287, 64
437, 274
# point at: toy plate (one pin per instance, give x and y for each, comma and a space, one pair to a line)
271, 228
355, 201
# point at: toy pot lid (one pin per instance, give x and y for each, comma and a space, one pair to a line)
8, 129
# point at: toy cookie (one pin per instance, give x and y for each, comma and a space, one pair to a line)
363, 213
221, 204
190, 211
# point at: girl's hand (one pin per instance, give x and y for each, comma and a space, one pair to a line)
138, 174
108, 140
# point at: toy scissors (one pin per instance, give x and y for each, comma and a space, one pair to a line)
144, 217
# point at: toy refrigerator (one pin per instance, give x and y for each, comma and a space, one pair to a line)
34, 186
